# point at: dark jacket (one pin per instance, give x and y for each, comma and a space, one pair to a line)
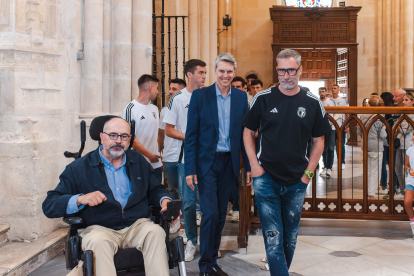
87, 174
202, 133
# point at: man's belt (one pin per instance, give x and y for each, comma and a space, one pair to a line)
222, 153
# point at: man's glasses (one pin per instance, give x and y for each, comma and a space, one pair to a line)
291, 71
114, 136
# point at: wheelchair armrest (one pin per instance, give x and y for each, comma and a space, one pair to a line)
73, 220
156, 211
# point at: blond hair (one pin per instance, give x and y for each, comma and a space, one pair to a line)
375, 100
410, 96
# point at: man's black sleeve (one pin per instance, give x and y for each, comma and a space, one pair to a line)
243, 150
321, 124
252, 117
56, 202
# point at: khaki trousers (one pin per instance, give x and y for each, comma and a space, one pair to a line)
144, 235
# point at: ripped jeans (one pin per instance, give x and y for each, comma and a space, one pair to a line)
279, 209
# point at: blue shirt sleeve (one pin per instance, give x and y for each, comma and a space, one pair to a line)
73, 205
164, 197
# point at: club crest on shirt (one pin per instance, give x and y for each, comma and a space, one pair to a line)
301, 112
155, 115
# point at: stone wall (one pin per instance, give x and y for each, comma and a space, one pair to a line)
45, 91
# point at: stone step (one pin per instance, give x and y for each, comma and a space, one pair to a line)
3, 233
21, 258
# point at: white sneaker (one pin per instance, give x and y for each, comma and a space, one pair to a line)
183, 235
230, 213
198, 219
412, 228
190, 251
175, 226
343, 166
383, 192
323, 172
328, 173
235, 217
398, 191
398, 197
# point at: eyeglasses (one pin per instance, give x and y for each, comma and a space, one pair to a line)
291, 71
114, 136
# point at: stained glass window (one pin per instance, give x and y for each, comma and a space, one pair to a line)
309, 3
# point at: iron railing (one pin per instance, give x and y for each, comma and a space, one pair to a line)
158, 63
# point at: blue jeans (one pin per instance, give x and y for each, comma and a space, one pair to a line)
384, 174
343, 145
189, 206
279, 209
215, 188
171, 173
329, 150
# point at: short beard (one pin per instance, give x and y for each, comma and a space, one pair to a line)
288, 87
322, 97
115, 154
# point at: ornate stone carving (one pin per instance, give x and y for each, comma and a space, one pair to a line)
50, 24
6, 15
34, 22
315, 13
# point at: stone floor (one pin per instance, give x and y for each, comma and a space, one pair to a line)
325, 247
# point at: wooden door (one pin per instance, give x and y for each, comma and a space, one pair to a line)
318, 64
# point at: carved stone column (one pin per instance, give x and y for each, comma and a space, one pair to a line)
91, 94
141, 39
122, 56
204, 21
408, 46
213, 40
107, 56
193, 28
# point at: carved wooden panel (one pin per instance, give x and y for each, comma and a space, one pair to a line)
297, 32
331, 32
317, 64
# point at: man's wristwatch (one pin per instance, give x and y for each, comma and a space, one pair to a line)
309, 174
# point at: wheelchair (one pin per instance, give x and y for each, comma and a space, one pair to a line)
129, 261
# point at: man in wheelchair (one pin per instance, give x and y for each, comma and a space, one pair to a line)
112, 189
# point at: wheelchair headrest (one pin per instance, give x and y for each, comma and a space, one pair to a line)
97, 125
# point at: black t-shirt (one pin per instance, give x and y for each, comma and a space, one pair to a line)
391, 118
286, 125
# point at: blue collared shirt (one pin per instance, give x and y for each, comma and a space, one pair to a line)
223, 106
118, 181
